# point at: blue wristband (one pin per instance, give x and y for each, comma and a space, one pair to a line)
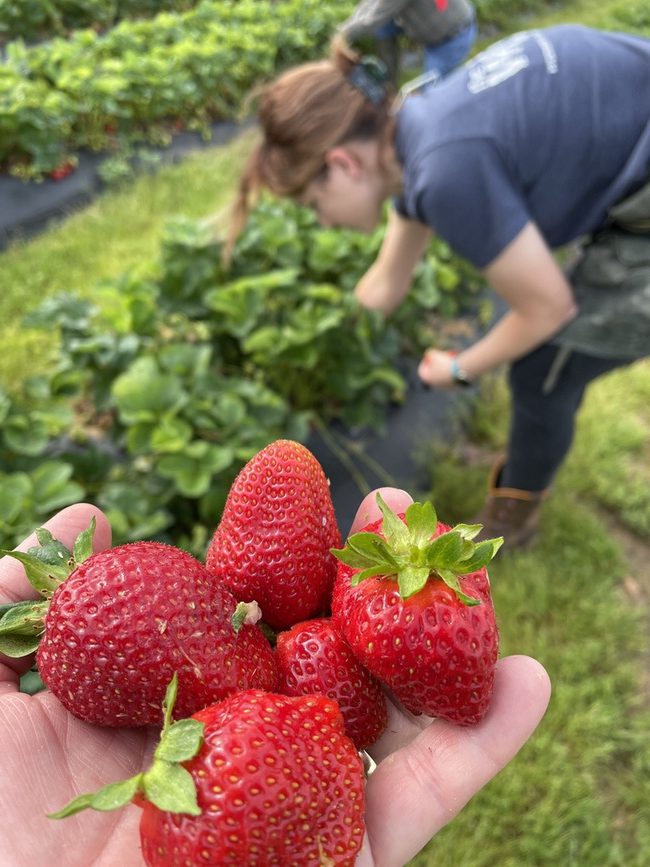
457, 373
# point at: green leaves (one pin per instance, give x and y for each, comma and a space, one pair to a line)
167, 784
44, 577
21, 628
195, 65
144, 392
111, 797
46, 567
176, 374
409, 552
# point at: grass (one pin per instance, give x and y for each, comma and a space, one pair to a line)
578, 793
118, 231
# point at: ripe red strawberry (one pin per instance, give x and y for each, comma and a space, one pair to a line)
266, 780
63, 170
276, 531
126, 619
313, 657
412, 598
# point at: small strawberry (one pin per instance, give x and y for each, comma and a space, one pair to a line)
116, 625
258, 779
63, 169
275, 534
313, 657
412, 598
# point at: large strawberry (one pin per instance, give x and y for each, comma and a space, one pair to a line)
412, 598
275, 534
111, 634
313, 657
258, 780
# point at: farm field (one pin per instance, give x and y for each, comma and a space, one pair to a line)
578, 794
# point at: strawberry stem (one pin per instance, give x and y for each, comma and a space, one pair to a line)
246, 614
409, 551
46, 565
167, 784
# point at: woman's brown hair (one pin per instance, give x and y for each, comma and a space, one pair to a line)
303, 113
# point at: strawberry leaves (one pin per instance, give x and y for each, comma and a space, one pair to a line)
167, 784
409, 552
21, 628
46, 565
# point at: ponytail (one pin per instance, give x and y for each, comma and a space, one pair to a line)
303, 113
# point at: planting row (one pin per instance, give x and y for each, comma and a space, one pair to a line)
35, 19
174, 375
145, 79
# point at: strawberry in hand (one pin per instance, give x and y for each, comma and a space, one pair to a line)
275, 534
257, 779
412, 598
111, 629
313, 657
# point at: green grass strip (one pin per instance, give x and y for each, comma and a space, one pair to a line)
119, 231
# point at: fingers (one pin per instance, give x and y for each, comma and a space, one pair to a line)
64, 526
425, 364
369, 511
422, 786
434, 369
401, 729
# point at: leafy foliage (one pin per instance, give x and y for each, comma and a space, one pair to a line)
143, 80
174, 375
38, 19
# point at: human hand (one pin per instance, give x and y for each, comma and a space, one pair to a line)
50, 757
404, 810
435, 369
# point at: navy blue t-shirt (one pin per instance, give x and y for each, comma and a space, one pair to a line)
547, 125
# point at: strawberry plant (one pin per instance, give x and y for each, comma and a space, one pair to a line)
173, 376
141, 79
30, 20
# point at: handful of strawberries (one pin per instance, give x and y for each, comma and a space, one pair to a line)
267, 667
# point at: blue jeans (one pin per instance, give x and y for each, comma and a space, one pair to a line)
443, 57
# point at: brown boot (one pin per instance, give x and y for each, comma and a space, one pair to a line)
509, 512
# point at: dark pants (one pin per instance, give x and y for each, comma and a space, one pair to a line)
545, 399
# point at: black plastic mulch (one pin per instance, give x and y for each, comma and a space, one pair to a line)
28, 207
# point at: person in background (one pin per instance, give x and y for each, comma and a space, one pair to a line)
445, 28
49, 757
540, 141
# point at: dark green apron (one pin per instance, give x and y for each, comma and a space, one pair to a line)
611, 283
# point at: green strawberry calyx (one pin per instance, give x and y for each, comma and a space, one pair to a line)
409, 553
167, 784
47, 565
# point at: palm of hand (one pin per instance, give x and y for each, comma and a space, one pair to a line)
49, 757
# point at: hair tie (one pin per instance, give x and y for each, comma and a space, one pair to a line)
369, 76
